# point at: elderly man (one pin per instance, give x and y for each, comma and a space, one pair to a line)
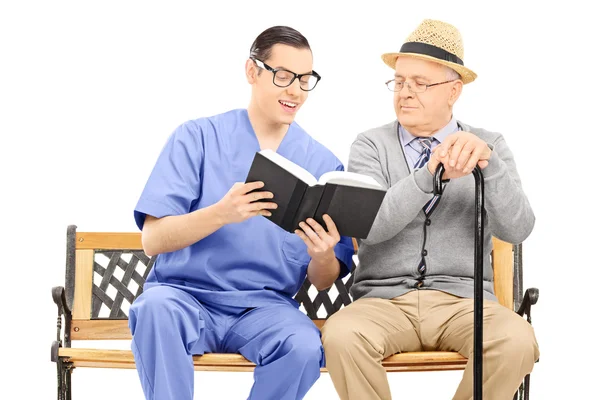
413, 287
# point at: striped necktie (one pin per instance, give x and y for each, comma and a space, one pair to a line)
421, 161
425, 152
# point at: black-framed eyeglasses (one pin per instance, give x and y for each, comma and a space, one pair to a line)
284, 78
396, 85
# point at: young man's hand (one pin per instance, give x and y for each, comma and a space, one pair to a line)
238, 204
319, 242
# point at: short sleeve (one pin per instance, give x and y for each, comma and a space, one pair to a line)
344, 251
175, 181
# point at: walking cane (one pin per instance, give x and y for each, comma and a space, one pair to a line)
478, 335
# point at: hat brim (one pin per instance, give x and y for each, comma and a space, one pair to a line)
466, 75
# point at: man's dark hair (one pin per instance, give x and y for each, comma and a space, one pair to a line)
262, 46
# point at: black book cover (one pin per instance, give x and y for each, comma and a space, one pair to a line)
352, 208
287, 189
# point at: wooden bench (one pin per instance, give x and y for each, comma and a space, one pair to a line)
105, 272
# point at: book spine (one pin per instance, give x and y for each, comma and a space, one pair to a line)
287, 222
309, 204
328, 193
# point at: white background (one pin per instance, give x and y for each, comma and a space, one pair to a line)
90, 92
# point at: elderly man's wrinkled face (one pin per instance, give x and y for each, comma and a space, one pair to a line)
421, 107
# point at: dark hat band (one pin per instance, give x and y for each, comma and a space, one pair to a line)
430, 50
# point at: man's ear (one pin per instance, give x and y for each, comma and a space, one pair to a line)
455, 92
251, 72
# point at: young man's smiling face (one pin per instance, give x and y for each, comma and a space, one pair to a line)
280, 104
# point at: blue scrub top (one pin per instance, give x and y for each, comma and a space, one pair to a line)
248, 264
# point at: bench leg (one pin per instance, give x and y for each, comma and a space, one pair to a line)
64, 370
523, 391
519, 393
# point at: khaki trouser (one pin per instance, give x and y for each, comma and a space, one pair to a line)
358, 337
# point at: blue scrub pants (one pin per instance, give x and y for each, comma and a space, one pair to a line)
169, 325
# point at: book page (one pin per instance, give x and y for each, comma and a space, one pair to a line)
349, 179
289, 166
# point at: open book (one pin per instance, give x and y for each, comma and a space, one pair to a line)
351, 200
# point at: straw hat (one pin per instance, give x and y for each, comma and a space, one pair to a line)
435, 41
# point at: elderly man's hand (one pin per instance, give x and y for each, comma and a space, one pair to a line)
460, 153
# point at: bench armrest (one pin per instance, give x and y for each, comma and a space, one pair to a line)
530, 298
58, 295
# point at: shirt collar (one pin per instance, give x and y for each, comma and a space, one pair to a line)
439, 136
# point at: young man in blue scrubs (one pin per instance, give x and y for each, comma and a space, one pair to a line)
225, 277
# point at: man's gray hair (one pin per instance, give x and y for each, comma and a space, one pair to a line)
451, 74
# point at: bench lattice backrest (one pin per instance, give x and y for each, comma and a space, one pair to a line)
107, 271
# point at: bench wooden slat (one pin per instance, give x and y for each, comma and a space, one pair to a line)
413, 361
84, 274
113, 329
503, 264
109, 240
109, 329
